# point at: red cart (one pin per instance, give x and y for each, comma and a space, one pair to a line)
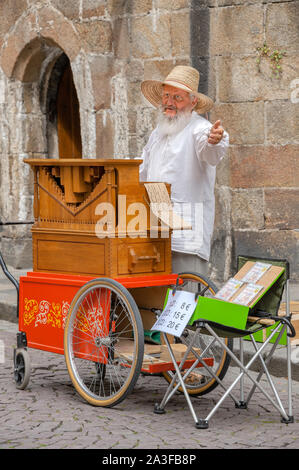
98, 325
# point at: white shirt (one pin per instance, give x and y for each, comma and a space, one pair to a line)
188, 162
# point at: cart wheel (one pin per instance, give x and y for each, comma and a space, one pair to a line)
103, 342
21, 368
200, 381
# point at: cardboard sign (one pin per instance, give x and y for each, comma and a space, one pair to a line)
177, 313
161, 206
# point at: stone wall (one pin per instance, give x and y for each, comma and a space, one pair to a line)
257, 188
112, 46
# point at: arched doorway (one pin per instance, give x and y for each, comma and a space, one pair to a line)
62, 110
68, 117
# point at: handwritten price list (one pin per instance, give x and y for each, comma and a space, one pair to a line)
177, 313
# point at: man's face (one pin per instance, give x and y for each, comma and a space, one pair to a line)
175, 100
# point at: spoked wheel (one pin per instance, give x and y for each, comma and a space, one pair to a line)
22, 368
103, 342
200, 381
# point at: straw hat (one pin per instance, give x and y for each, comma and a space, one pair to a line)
183, 77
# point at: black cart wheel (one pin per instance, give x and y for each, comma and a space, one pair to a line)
103, 342
22, 368
200, 381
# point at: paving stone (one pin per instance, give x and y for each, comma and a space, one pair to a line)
49, 414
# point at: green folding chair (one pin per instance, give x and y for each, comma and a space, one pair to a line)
222, 320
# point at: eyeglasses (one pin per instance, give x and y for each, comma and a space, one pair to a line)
176, 98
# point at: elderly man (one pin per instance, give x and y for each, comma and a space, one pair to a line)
183, 150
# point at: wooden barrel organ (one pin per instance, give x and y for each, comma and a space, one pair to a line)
68, 194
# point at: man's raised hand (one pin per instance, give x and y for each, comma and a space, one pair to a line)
216, 133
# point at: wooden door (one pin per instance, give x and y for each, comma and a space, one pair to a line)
68, 117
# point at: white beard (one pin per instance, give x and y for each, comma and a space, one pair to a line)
168, 126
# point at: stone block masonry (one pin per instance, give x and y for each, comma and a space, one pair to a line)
113, 45
259, 183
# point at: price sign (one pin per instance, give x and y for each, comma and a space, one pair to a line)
177, 313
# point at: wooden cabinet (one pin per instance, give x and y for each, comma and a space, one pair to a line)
71, 232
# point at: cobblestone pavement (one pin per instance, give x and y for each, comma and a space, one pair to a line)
49, 414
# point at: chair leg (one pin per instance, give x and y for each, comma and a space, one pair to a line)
267, 359
268, 375
242, 404
245, 371
290, 405
159, 409
200, 358
286, 418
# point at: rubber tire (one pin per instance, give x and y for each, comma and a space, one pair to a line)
22, 368
225, 359
133, 310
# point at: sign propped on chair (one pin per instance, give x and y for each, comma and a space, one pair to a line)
177, 313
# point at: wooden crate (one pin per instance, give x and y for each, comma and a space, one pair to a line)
262, 335
178, 351
295, 322
156, 359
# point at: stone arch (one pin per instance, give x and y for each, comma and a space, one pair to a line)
30, 54
24, 46
36, 75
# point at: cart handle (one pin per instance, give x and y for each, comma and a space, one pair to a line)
11, 278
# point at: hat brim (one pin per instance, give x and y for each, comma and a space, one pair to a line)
152, 91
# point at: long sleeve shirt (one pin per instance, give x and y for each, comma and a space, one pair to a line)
188, 162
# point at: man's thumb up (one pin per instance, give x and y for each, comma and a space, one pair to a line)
216, 133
